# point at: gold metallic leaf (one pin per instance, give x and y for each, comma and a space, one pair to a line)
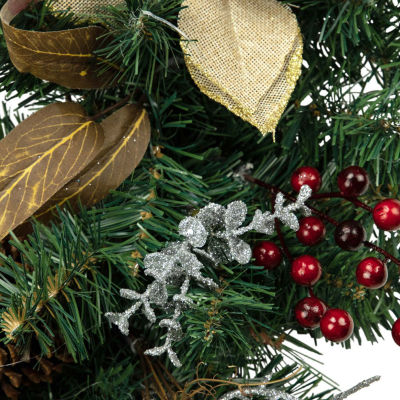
64, 57
246, 55
127, 135
40, 156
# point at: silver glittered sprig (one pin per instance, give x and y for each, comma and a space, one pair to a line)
274, 394
357, 388
224, 225
259, 391
212, 235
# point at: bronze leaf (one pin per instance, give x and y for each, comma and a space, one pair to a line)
63, 57
40, 156
127, 135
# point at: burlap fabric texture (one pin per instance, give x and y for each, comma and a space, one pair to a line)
247, 55
84, 7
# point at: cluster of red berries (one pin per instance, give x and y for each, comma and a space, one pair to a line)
335, 324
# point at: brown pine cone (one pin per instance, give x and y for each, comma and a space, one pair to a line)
20, 370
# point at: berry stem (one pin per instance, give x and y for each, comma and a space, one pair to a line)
383, 252
332, 195
285, 249
282, 241
275, 190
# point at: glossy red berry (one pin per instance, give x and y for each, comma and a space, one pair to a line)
353, 181
309, 312
306, 176
372, 273
306, 270
312, 231
350, 235
337, 325
396, 332
267, 255
387, 215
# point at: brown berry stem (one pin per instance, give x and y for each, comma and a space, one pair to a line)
285, 249
332, 195
282, 241
275, 190
383, 252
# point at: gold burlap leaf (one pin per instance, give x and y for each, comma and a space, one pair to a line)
84, 7
246, 55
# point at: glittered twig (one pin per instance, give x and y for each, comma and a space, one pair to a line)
357, 388
274, 394
211, 236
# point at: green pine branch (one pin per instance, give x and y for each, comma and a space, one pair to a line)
68, 275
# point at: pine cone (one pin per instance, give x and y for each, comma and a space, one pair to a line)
20, 371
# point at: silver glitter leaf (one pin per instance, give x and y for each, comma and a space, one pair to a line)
190, 264
235, 215
214, 236
158, 265
240, 250
304, 194
211, 216
129, 294
194, 231
290, 220
158, 293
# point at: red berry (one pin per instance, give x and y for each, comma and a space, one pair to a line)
396, 332
353, 181
350, 235
372, 273
387, 215
306, 176
312, 231
306, 270
267, 255
337, 325
309, 312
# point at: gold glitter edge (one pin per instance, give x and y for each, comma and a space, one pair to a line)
292, 75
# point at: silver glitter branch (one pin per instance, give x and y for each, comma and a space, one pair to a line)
260, 391
213, 235
274, 394
356, 388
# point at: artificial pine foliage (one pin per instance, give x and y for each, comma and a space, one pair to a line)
57, 283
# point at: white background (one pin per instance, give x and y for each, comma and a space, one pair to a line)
349, 367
